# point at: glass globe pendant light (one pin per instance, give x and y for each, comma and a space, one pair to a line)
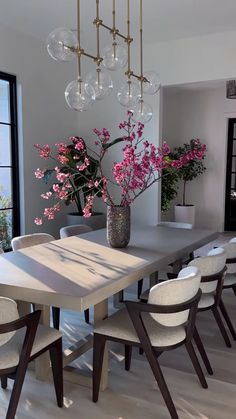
142, 112
153, 83
79, 95
62, 44
114, 56
101, 81
128, 93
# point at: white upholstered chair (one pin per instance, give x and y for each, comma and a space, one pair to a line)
230, 280
212, 268
21, 341
164, 323
76, 230
34, 239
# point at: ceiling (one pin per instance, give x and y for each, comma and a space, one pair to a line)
163, 19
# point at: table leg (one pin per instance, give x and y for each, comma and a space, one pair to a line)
153, 279
42, 363
100, 313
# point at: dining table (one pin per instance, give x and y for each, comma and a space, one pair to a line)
78, 272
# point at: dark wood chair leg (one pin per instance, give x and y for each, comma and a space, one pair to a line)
196, 365
141, 350
128, 355
4, 382
202, 351
234, 289
86, 315
99, 342
221, 326
227, 319
16, 390
56, 361
140, 288
56, 317
154, 364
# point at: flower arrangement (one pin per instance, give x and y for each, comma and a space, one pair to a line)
79, 172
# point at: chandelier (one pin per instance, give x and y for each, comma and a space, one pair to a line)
65, 45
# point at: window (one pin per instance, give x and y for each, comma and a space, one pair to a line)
9, 184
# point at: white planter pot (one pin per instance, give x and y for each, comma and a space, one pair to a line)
185, 214
96, 221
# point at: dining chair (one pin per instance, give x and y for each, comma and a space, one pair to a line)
171, 224
166, 322
230, 280
213, 270
76, 230
21, 341
34, 239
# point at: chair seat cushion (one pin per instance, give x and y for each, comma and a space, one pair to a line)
207, 300
10, 352
120, 326
230, 279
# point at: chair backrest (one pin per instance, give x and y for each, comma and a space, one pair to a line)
8, 313
74, 230
209, 265
28, 240
230, 249
173, 224
175, 291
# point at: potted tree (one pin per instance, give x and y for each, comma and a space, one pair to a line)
192, 154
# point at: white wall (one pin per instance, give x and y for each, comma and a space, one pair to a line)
201, 114
202, 58
43, 114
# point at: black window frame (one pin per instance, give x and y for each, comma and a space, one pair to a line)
13, 124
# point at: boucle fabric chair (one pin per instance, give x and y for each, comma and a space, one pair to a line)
165, 323
21, 341
76, 230
230, 280
212, 268
34, 239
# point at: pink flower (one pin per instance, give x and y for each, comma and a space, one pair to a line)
38, 221
44, 150
79, 145
39, 174
62, 148
56, 187
47, 195
62, 159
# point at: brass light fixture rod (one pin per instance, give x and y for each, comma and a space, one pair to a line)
141, 48
113, 30
80, 51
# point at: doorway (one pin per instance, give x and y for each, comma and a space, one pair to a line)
230, 193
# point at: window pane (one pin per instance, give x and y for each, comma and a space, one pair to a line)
5, 145
5, 229
4, 101
5, 188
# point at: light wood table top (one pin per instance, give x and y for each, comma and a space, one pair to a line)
77, 272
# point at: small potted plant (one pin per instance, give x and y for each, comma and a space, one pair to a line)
191, 155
